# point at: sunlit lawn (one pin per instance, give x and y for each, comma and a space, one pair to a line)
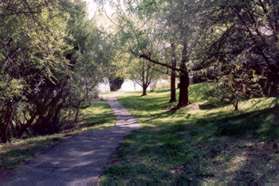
98, 116
197, 145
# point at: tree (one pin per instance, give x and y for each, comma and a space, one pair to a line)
143, 73
182, 19
221, 25
51, 59
33, 60
246, 32
173, 73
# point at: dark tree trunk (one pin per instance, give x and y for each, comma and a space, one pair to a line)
183, 87
173, 75
184, 79
273, 86
6, 122
48, 121
23, 128
235, 105
4, 133
144, 77
144, 90
77, 113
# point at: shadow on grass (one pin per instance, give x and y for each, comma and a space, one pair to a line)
184, 151
258, 123
213, 105
259, 129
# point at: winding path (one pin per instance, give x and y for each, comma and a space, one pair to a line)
78, 160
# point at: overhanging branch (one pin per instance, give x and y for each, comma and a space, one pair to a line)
148, 58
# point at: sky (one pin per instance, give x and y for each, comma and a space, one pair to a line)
91, 8
100, 18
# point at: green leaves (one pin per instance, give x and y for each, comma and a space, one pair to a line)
51, 59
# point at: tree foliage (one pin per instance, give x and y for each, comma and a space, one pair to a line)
232, 42
51, 58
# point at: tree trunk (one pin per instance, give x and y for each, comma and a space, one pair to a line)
48, 121
144, 90
6, 122
184, 79
273, 87
183, 93
4, 133
235, 104
77, 113
173, 75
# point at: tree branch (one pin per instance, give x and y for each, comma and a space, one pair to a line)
148, 58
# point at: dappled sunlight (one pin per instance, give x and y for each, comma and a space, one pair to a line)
98, 116
236, 163
80, 158
213, 145
139, 92
244, 160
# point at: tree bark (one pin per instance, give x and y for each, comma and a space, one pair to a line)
173, 75
77, 112
144, 90
184, 79
144, 76
6, 122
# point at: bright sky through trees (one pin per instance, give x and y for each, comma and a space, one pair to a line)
91, 8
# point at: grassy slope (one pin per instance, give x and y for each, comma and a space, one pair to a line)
98, 116
211, 144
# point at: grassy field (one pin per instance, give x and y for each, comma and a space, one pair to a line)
95, 117
204, 143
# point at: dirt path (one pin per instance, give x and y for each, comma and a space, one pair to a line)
79, 160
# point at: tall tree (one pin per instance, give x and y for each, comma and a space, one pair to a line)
173, 74
183, 20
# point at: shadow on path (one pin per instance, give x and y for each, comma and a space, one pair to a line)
78, 160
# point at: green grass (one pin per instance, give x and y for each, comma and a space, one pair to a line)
98, 116
197, 146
